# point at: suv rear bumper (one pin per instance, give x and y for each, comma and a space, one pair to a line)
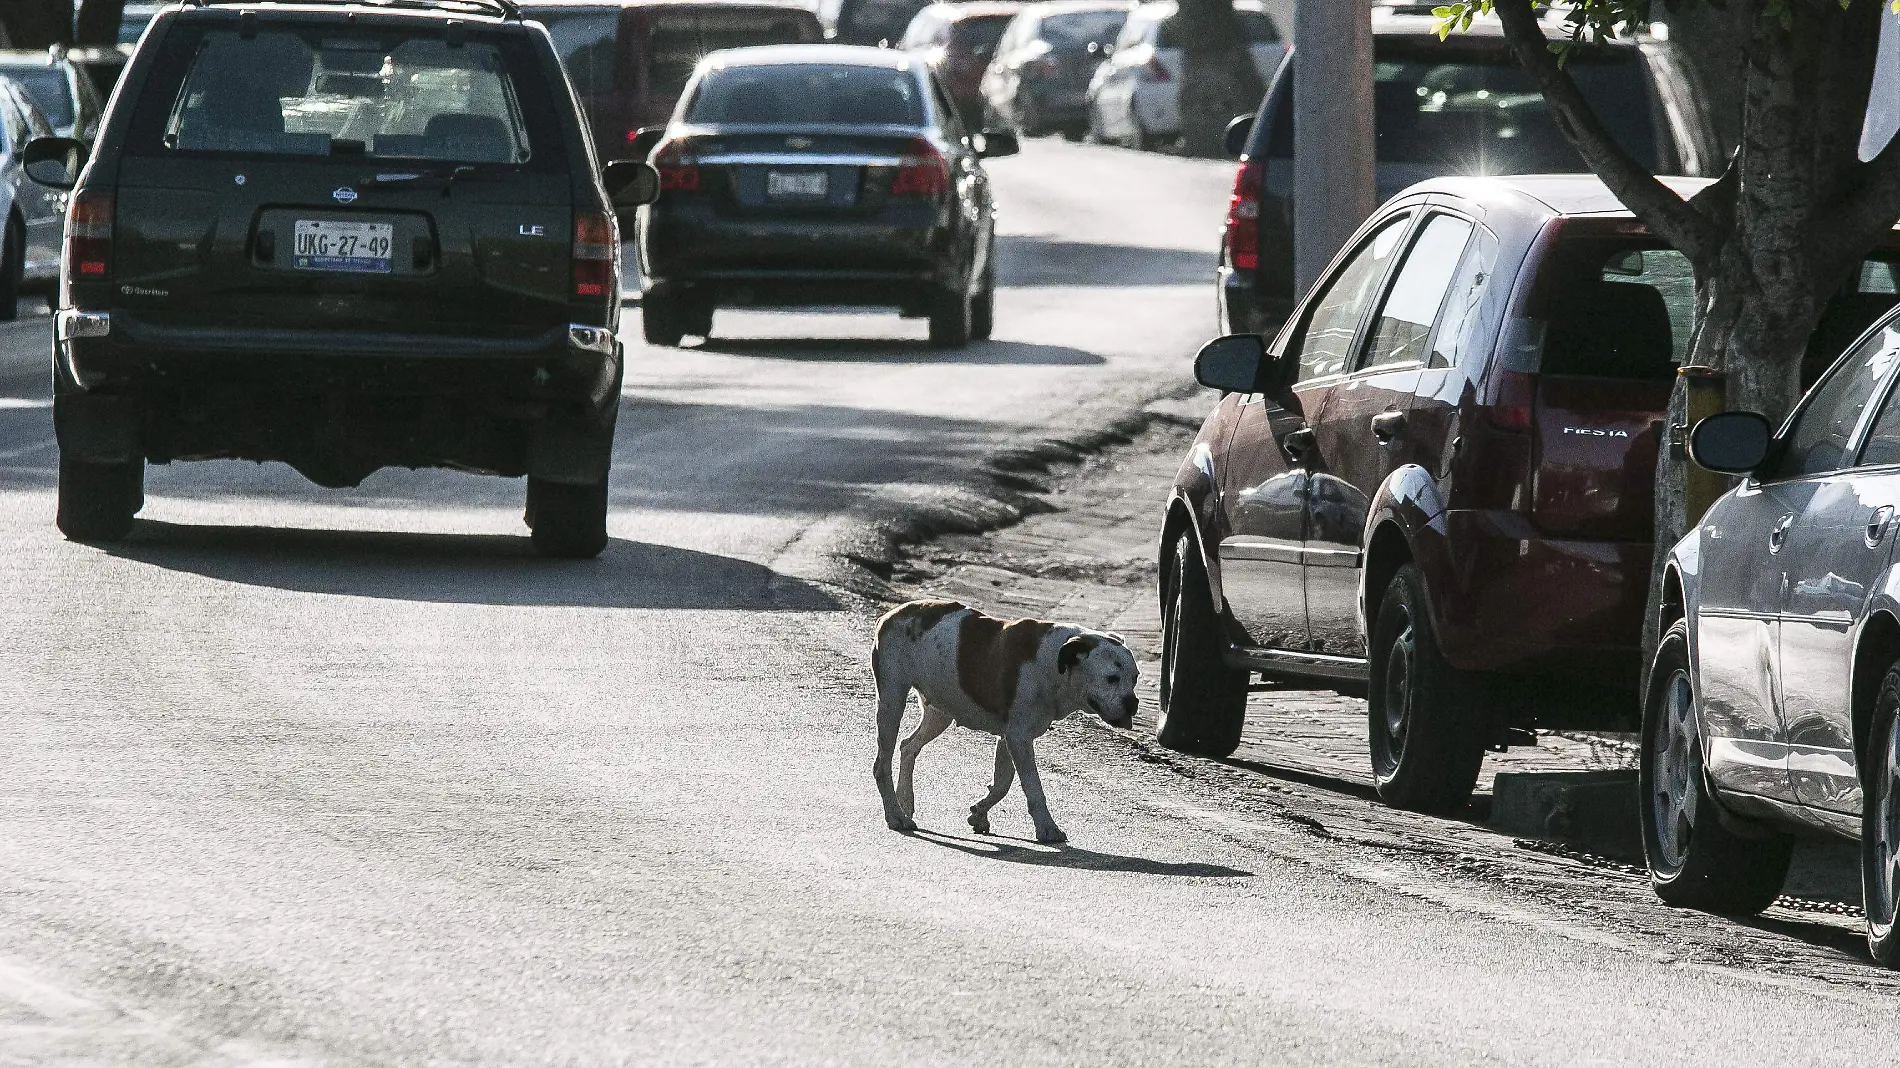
1242, 308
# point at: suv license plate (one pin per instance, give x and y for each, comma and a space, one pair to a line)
327, 245
810, 185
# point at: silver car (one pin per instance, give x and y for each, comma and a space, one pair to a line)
32, 214
65, 95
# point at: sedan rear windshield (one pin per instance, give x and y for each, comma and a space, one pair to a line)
1079, 29
806, 94
283, 93
48, 88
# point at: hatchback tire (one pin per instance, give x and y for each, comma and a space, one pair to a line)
12, 269
1695, 860
97, 501
567, 522
1880, 824
1426, 720
1203, 700
950, 319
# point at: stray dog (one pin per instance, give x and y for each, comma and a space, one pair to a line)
1009, 679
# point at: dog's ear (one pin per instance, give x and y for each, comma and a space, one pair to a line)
1073, 651
1116, 638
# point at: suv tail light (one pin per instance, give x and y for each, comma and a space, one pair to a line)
922, 171
1154, 73
679, 171
594, 246
1243, 218
89, 236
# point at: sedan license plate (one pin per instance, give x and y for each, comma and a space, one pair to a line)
328, 245
805, 185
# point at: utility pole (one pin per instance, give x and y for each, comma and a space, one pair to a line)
1333, 188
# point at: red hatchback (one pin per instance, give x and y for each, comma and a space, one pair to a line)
1436, 487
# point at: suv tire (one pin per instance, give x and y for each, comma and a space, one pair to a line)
567, 522
1695, 861
1426, 721
97, 501
12, 269
1203, 700
950, 316
660, 317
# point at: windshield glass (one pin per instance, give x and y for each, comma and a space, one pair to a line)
584, 39
415, 98
1079, 29
133, 20
807, 94
48, 88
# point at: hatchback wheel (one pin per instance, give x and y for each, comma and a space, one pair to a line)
1695, 861
568, 522
12, 269
1203, 700
950, 319
1426, 720
1880, 824
97, 501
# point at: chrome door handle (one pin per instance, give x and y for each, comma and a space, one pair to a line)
1877, 524
1388, 425
1779, 535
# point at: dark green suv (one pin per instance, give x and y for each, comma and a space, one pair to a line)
343, 236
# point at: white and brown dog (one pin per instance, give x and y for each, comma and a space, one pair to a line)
1011, 679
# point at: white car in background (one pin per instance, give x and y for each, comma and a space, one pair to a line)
32, 214
1134, 96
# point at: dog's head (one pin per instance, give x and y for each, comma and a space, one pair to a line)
1100, 672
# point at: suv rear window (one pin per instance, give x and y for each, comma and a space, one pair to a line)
584, 39
807, 93
288, 93
680, 40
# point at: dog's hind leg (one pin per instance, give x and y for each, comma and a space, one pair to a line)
935, 720
893, 694
1005, 774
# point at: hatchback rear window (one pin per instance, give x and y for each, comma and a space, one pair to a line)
282, 93
979, 34
48, 88
680, 41
1078, 29
807, 93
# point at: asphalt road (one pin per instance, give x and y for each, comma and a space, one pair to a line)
305, 777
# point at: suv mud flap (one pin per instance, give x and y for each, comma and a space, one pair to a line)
98, 429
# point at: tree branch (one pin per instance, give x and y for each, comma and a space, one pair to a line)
1867, 208
1655, 203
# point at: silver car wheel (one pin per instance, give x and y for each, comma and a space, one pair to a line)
1886, 866
1678, 762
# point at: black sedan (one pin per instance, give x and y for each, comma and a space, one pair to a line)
815, 175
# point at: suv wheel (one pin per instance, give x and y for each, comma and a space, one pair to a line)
12, 269
1203, 701
1694, 861
568, 522
983, 309
950, 315
1426, 720
97, 501
660, 317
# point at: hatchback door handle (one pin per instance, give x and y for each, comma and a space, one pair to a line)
1877, 524
1298, 443
1387, 425
1779, 534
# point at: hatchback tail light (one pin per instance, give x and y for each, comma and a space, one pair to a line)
678, 167
89, 236
1154, 73
595, 244
1243, 218
1512, 395
922, 171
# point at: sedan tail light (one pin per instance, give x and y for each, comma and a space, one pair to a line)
922, 171
595, 244
1243, 218
678, 167
89, 236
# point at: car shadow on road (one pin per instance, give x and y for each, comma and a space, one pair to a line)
1000, 847
889, 350
491, 569
1031, 260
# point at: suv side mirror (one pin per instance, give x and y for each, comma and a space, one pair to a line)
645, 140
1235, 140
54, 162
631, 183
1734, 443
998, 143
1232, 364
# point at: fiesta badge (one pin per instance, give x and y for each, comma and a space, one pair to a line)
345, 195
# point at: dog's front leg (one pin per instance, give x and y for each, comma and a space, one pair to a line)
1024, 757
1005, 774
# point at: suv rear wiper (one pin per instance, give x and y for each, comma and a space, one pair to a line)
423, 179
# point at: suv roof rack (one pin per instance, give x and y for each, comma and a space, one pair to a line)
506, 9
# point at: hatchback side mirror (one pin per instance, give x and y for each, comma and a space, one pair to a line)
644, 141
999, 143
631, 183
1235, 140
54, 162
1734, 443
1233, 364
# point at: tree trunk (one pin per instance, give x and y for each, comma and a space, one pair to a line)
38, 24
1218, 80
98, 23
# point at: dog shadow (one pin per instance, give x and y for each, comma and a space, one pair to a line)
1000, 847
